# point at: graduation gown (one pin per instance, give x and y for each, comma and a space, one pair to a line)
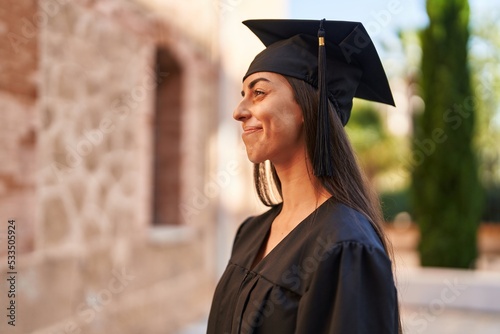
330, 274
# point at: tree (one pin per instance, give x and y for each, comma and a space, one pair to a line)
375, 147
446, 192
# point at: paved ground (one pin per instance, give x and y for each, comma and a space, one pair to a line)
416, 321
450, 321
195, 328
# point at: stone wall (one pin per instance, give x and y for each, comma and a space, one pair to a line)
18, 118
96, 263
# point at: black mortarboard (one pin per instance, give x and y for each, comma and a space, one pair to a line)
337, 57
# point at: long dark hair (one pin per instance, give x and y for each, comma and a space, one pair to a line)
348, 185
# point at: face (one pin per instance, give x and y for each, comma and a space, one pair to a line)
271, 119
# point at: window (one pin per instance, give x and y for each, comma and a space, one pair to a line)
167, 134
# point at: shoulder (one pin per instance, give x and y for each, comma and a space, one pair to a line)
345, 239
342, 224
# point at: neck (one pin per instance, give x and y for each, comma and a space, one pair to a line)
300, 189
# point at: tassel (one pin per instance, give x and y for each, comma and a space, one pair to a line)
322, 164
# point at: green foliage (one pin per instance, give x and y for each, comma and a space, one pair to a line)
395, 202
491, 211
375, 147
446, 194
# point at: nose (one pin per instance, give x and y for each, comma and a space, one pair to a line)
241, 112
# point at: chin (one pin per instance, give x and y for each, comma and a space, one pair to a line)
254, 158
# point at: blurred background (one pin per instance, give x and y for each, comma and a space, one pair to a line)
126, 176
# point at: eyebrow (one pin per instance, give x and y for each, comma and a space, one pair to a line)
253, 83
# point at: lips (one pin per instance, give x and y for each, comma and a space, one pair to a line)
251, 129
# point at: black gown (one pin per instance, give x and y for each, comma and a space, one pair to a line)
330, 274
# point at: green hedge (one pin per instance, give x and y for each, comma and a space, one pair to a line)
394, 203
491, 212
398, 201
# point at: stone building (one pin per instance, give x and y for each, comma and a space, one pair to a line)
112, 117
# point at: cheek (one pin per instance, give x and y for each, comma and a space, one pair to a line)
288, 125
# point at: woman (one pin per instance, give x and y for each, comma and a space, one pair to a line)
317, 261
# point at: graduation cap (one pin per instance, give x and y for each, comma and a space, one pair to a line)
337, 57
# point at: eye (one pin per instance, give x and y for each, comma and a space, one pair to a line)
258, 92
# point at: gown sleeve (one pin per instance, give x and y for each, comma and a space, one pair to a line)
350, 291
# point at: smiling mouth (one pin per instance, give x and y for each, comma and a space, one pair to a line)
251, 129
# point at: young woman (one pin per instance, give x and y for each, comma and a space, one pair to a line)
317, 261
